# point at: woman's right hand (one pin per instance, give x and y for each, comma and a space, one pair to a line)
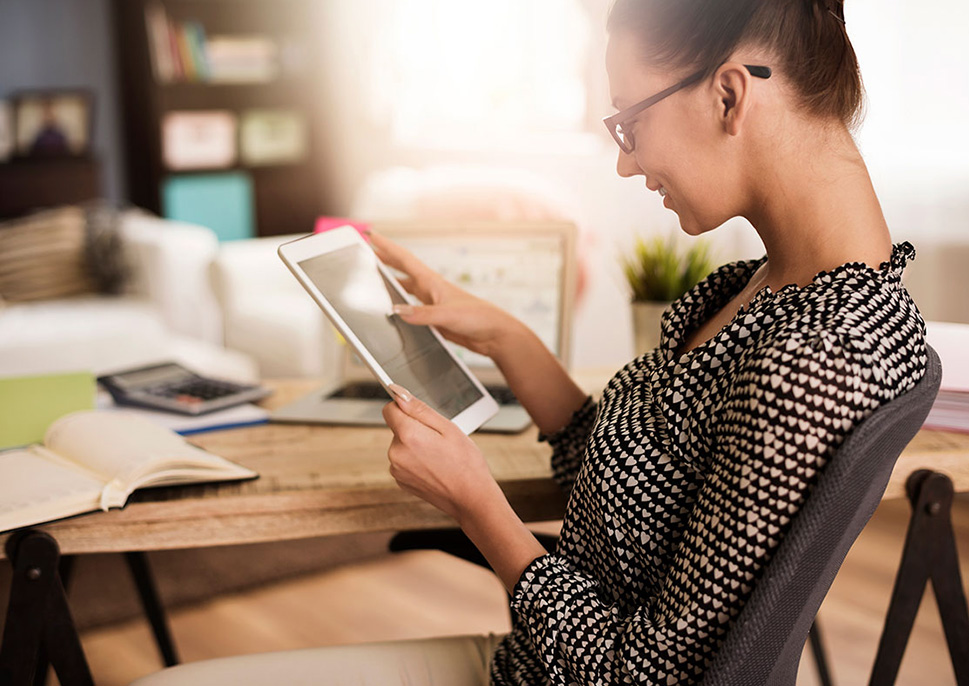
460, 317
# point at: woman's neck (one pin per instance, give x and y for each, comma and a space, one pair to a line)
817, 208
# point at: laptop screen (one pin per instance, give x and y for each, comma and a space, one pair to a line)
523, 275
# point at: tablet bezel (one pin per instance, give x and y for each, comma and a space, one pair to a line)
315, 245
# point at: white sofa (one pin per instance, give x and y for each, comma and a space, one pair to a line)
268, 316
167, 312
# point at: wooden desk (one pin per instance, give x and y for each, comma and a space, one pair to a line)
319, 481
314, 481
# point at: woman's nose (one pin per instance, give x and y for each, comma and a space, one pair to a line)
626, 165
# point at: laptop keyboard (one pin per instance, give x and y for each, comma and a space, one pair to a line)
371, 390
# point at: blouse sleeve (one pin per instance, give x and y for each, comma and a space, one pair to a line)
793, 406
569, 444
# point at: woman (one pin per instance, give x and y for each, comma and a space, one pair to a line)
684, 477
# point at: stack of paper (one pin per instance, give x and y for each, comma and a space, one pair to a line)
233, 417
951, 408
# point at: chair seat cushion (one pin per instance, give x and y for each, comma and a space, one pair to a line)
455, 661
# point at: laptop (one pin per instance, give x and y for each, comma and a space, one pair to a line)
526, 268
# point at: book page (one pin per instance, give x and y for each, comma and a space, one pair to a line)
37, 487
123, 447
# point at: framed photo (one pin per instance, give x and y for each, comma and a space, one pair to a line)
53, 123
199, 139
272, 137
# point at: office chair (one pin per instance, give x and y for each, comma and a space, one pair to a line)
765, 644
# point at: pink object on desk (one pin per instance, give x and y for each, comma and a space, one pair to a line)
327, 223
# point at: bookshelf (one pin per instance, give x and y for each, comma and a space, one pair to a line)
252, 62
28, 184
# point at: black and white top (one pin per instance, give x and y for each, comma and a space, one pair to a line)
684, 477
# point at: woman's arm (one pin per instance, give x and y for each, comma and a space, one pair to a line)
535, 376
538, 379
431, 458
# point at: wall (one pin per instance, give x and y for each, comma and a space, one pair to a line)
66, 44
915, 141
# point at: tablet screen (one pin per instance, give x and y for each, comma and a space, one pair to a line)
411, 355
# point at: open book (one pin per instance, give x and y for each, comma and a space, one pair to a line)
94, 460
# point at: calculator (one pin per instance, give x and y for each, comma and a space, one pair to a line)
172, 387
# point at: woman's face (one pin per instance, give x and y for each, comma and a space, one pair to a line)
679, 141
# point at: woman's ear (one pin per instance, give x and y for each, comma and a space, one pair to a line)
732, 85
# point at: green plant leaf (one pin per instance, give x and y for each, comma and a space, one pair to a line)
658, 270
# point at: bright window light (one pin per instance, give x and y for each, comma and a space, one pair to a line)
455, 73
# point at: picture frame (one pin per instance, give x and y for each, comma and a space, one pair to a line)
199, 139
53, 123
273, 136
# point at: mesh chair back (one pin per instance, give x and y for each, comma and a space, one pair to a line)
764, 646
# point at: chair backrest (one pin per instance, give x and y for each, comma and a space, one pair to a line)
764, 646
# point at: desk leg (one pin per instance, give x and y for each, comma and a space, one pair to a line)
929, 554
66, 568
141, 572
38, 617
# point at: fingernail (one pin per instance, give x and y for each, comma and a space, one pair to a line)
404, 309
400, 392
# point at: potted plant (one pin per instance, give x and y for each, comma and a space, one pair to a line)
659, 272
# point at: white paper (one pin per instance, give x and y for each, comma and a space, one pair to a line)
186, 424
951, 341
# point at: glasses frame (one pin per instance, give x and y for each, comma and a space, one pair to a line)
615, 122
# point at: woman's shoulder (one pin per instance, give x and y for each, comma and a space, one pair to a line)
855, 301
856, 317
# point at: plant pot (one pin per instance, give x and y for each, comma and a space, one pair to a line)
646, 327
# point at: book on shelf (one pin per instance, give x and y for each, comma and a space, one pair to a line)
156, 25
93, 460
181, 51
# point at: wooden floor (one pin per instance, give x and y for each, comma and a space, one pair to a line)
423, 594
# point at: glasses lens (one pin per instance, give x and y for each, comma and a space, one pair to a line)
624, 138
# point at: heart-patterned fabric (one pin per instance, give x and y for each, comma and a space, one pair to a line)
684, 477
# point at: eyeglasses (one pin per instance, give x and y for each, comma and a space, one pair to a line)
617, 123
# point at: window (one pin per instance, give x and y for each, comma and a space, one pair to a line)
469, 74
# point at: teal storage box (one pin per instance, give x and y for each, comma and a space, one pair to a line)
221, 201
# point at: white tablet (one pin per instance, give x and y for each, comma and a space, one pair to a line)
345, 278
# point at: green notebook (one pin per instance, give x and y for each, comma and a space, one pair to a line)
29, 404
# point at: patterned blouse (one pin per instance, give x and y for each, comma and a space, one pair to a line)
684, 477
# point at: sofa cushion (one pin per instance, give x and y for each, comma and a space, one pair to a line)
104, 334
44, 256
95, 333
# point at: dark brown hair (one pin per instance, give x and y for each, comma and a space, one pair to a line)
807, 38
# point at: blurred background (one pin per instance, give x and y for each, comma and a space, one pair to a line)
252, 117
153, 154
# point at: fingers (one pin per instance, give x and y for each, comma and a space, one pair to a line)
427, 315
417, 410
397, 256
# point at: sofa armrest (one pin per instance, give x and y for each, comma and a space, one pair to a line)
268, 314
170, 264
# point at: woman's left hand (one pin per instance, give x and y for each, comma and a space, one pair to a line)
433, 459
